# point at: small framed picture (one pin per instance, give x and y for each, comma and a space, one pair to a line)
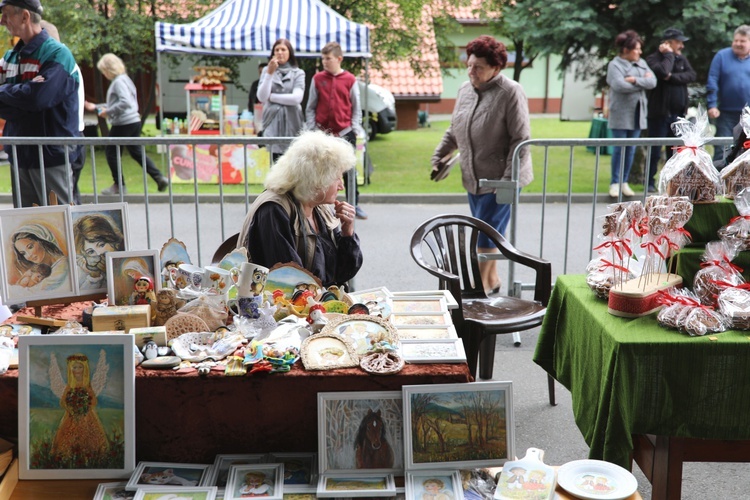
76, 406
356, 485
300, 470
328, 351
161, 475
113, 491
362, 330
97, 229
257, 480
176, 493
38, 257
450, 301
421, 319
124, 269
434, 484
418, 332
433, 351
479, 412
360, 430
418, 305
379, 294
219, 473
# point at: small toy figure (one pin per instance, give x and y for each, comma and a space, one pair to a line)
167, 305
316, 318
144, 292
150, 350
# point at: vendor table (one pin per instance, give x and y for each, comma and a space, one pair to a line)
190, 419
630, 378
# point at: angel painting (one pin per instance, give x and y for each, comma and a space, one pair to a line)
80, 434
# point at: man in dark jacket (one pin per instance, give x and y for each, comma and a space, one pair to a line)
669, 99
38, 98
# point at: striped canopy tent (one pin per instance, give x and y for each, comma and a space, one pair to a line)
250, 27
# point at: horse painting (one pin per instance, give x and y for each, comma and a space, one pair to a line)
371, 445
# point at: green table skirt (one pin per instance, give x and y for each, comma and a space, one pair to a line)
688, 261
708, 218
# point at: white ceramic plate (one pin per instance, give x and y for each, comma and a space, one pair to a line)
596, 479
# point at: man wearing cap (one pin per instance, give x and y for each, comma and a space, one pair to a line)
669, 99
729, 85
38, 98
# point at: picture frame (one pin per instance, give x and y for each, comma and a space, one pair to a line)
257, 480
450, 300
432, 483
418, 304
433, 401
347, 442
361, 330
442, 319
288, 277
300, 471
113, 491
363, 484
219, 472
177, 493
37, 258
422, 332
433, 351
328, 351
95, 375
378, 294
123, 268
165, 476
97, 229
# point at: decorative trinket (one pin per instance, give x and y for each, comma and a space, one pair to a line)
382, 359
150, 350
235, 367
316, 318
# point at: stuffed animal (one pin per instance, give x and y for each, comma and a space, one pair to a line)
167, 305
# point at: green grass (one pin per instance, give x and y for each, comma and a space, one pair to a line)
401, 164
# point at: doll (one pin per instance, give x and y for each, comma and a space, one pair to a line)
143, 292
166, 306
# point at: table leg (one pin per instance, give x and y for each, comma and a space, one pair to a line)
660, 458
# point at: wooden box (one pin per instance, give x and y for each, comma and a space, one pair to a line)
121, 317
156, 333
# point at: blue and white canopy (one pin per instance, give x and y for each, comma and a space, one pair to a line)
250, 27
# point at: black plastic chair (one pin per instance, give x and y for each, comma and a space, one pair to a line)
452, 242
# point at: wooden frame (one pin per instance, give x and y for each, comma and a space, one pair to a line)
124, 267
417, 486
328, 351
165, 476
95, 376
177, 493
488, 402
343, 449
433, 351
356, 485
97, 229
219, 473
271, 486
362, 330
46, 269
289, 276
300, 471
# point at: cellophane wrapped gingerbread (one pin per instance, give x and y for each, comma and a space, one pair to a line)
734, 303
717, 272
683, 310
737, 231
736, 175
690, 171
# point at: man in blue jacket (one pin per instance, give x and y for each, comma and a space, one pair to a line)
38, 98
729, 85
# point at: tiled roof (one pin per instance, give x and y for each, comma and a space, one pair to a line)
466, 13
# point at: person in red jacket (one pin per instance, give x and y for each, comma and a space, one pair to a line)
333, 106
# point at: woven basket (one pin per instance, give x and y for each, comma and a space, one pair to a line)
184, 323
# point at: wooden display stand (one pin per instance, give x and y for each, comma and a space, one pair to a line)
638, 297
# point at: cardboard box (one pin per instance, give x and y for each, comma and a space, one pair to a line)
121, 317
9, 480
156, 333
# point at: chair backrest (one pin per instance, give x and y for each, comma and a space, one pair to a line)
452, 243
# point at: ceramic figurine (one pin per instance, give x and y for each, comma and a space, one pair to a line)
167, 305
316, 318
150, 350
144, 293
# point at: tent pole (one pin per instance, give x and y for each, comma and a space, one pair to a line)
161, 89
366, 123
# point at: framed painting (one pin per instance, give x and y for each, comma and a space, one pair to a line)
422, 319
328, 351
164, 476
172, 254
37, 257
433, 351
379, 294
113, 491
76, 409
478, 418
289, 278
256, 480
362, 331
124, 269
434, 484
360, 431
418, 305
421, 332
300, 470
219, 472
176, 493
450, 301
356, 485
97, 229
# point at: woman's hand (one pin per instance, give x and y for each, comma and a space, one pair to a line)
345, 213
89, 106
273, 65
630, 79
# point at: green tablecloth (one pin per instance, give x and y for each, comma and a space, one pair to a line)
631, 376
708, 218
600, 130
688, 261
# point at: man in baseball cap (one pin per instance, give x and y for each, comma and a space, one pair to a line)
669, 99
39, 99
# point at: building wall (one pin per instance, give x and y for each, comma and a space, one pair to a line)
407, 113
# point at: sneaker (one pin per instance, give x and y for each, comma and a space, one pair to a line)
626, 190
614, 190
359, 213
163, 184
651, 189
115, 189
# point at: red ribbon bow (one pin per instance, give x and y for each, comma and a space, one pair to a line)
680, 149
607, 264
654, 247
615, 244
746, 145
739, 217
